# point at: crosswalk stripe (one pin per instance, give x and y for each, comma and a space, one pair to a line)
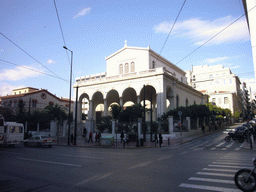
210, 188
222, 143
230, 163
227, 166
221, 170
215, 174
212, 180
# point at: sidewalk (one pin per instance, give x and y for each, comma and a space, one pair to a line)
148, 144
132, 145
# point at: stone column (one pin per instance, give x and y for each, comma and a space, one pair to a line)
105, 107
138, 99
139, 127
113, 126
121, 102
189, 125
170, 124
90, 112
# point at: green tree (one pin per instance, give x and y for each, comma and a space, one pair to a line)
56, 112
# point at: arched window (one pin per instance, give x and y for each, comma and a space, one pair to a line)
132, 67
121, 69
153, 65
186, 102
177, 101
126, 68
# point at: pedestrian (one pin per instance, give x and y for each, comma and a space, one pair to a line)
156, 140
90, 137
84, 134
96, 138
99, 137
122, 136
72, 138
203, 128
160, 139
126, 138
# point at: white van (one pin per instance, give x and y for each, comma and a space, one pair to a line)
13, 133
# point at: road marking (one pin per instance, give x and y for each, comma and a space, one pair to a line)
89, 157
230, 145
104, 176
210, 188
165, 157
215, 174
140, 165
87, 180
228, 163
238, 148
227, 166
199, 145
223, 170
51, 162
222, 143
213, 148
212, 180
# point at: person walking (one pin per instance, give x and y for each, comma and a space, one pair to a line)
90, 137
203, 128
99, 137
122, 136
160, 139
72, 138
96, 137
156, 140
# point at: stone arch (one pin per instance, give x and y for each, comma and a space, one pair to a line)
97, 104
112, 97
169, 98
150, 93
83, 106
129, 95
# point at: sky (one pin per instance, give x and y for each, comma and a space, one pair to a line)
32, 36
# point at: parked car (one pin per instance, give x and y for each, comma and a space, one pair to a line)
39, 141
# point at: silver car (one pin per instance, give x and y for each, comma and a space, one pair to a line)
39, 141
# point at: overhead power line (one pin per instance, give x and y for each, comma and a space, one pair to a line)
34, 70
30, 55
213, 37
59, 22
55, 5
173, 26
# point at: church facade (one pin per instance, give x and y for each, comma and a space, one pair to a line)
132, 74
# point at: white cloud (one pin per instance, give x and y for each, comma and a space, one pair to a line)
19, 73
199, 31
51, 61
215, 60
6, 89
83, 12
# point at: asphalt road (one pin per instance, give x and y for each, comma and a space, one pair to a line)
205, 164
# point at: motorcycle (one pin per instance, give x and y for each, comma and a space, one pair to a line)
245, 179
235, 136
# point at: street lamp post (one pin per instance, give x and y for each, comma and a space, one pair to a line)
69, 107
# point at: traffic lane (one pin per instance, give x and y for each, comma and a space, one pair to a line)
65, 168
153, 174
